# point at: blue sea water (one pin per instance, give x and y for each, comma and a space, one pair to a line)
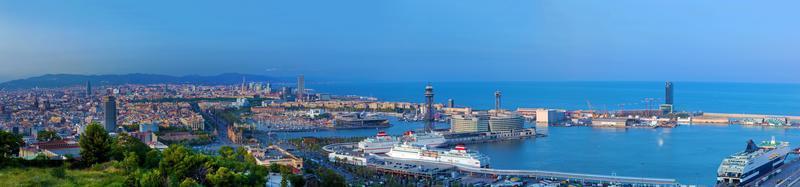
690, 154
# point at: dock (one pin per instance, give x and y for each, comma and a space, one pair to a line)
757, 116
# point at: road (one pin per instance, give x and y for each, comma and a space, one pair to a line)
789, 175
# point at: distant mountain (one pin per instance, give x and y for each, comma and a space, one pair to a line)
66, 80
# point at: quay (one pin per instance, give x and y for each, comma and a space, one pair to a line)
759, 116
549, 175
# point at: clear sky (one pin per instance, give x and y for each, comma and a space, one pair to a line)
414, 40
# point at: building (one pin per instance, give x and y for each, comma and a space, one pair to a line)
502, 121
611, 122
470, 122
110, 110
667, 107
88, 89
451, 103
668, 99
148, 127
301, 88
195, 122
550, 116
276, 155
54, 150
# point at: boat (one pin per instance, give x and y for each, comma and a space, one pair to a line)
382, 143
430, 139
754, 162
457, 156
356, 121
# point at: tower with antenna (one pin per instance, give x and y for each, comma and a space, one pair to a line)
497, 95
429, 108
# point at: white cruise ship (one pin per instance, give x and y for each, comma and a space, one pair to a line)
457, 156
431, 139
756, 161
382, 143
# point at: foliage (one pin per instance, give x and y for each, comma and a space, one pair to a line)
95, 144
125, 143
330, 178
297, 180
33, 176
9, 146
46, 136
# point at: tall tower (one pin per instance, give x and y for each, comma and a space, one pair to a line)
110, 104
668, 98
451, 103
497, 101
88, 89
301, 88
241, 92
429, 108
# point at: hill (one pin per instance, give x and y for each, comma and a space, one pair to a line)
66, 80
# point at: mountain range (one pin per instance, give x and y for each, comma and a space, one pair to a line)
66, 80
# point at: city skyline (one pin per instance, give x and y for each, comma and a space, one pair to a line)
416, 40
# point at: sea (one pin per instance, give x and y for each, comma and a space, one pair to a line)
687, 153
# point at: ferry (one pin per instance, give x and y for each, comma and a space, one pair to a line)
754, 162
456, 156
430, 139
382, 142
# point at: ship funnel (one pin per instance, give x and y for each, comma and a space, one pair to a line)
751, 146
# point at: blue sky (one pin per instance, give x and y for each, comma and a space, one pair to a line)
408, 40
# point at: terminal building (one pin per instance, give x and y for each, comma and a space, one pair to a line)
502, 121
471, 122
483, 121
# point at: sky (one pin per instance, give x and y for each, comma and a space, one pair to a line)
408, 40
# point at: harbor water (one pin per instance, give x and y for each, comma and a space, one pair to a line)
688, 153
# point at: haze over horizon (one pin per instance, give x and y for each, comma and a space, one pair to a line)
415, 40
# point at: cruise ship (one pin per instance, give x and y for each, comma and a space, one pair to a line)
359, 121
756, 161
382, 142
457, 156
430, 139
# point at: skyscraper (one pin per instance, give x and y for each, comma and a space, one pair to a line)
110, 104
451, 103
668, 98
88, 89
301, 88
429, 108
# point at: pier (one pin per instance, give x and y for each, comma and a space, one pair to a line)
553, 175
602, 179
761, 116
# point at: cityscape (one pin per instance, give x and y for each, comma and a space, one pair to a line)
450, 94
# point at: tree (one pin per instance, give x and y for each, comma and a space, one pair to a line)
330, 178
125, 143
9, 145
179, 162
188, 182
130, 163
297, 180
222, 177
46, 136
151, 179
226, 152
95, 144
152, 158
